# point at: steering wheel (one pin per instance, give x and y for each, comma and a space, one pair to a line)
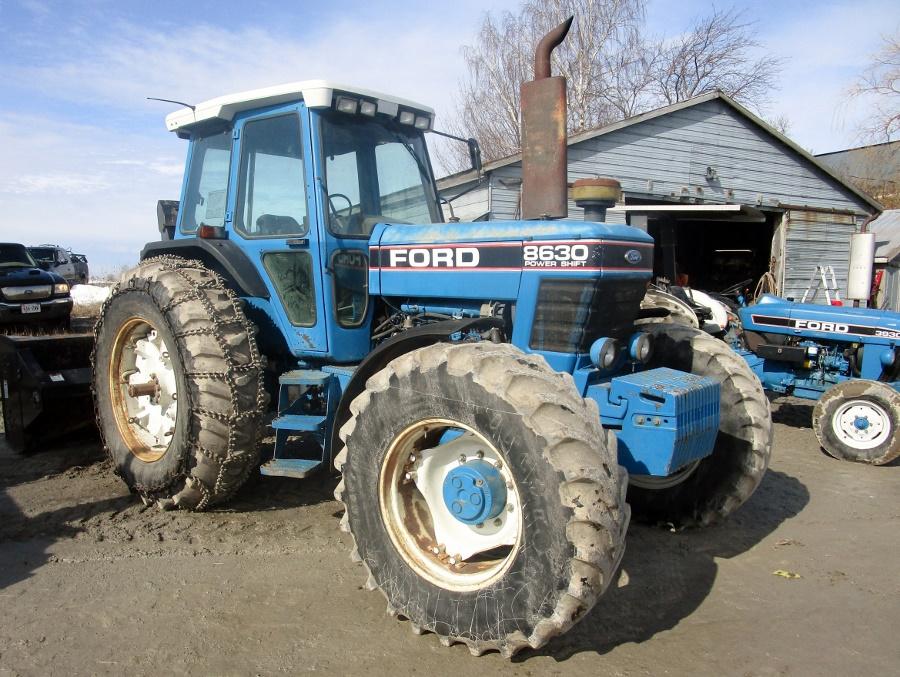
343, 220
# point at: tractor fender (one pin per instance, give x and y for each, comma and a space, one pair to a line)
411, 339
222, 256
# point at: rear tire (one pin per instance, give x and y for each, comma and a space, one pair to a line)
717, 485
556, 457
209, 383
874, 403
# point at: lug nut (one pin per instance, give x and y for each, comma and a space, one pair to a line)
498, 522
480, 525
479, 483
480, 454
462, 458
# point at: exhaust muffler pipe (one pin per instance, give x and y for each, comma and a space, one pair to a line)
544, 161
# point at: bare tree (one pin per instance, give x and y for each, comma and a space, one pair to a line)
614, 70
604, 42
881, 81
715, 54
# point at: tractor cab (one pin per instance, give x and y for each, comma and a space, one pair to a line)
296, 177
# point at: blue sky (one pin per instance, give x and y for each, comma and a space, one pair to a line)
84, 156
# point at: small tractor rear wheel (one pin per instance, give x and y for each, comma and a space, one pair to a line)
859, 421
178, 384
482, 494
710, 489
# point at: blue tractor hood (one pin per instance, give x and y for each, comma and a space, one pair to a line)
777, 315
486, 260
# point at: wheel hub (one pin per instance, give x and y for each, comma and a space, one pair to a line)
861, 424
450, 504
474, 492
144, 391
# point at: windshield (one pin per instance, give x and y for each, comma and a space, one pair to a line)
43, 253
375, 171
15, 256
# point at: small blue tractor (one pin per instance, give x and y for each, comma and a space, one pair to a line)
848, 359
479, 386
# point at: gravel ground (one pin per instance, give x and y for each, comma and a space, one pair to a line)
91, 582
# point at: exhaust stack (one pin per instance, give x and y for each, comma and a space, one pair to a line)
543, 102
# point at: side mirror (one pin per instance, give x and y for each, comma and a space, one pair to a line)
474, 154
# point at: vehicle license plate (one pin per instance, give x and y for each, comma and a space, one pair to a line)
31, 308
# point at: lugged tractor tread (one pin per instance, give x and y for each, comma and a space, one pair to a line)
595, 492
758, 430
209, 324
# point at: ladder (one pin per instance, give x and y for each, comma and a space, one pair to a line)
820, 278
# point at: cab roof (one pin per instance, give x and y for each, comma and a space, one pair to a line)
314, 93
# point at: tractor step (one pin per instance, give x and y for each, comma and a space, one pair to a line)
299, 422
297, 468
304, 377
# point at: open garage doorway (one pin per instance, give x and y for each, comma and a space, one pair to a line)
709, 247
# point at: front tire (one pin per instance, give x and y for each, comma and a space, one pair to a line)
178, 384
709, 490
525, 575
858, 421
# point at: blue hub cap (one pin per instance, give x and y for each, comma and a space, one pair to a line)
861, 422
474, 492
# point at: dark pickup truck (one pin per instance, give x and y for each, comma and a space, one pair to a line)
29, 295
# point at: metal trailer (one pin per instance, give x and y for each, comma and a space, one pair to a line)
45, 390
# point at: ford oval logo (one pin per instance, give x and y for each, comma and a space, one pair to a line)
633, 256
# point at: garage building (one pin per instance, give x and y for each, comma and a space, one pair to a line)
726, 196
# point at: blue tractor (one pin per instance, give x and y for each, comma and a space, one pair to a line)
481, 387
848, 359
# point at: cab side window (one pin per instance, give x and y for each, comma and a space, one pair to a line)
271, 200
204, 200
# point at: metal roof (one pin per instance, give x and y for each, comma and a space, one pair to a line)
887, 235
469, 175
315, 94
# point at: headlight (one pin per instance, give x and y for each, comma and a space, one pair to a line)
61, 288
604, 353
640, 347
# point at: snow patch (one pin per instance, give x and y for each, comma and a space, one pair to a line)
89, 294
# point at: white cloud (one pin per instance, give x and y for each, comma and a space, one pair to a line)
192, 63
50, 184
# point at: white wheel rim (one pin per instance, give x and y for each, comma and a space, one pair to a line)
449, 553
861, 424
656, 483
141, 361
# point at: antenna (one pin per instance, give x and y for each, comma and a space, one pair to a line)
180, 103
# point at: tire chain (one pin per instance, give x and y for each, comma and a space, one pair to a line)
235, 459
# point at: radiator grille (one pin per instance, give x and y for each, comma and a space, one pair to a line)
572, 314
34, 292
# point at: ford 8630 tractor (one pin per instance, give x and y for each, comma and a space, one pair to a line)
481, 387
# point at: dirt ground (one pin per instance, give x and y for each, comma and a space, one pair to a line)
91, 582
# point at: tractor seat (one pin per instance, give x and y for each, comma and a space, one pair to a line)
274, 224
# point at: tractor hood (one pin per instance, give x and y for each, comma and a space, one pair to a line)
775, 314
488, 260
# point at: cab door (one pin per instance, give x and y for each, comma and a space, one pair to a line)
271, 199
